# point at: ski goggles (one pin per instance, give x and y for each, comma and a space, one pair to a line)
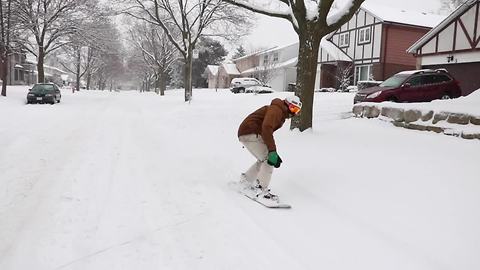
294, 109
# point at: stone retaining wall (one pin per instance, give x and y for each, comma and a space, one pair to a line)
454, 124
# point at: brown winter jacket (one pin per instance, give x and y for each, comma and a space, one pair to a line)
265, 121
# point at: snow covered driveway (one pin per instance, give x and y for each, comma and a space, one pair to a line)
137, 181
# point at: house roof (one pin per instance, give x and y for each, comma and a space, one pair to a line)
231, 68
213, 69
402, 16
254, 53
447, 21
336, 53
278, 48
289, 63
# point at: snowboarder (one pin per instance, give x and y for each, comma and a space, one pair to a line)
256, 134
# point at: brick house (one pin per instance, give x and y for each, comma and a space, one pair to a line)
454, 44
373, 44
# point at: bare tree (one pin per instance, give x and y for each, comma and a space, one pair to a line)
84, 48
312, 20
191, 20
265, 73
48, 24
6, 31
158, 53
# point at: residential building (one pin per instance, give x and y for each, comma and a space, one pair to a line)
454, 44
373, 44
211, 73
274, 66
17, 68
226, 73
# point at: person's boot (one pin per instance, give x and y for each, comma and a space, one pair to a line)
265, 193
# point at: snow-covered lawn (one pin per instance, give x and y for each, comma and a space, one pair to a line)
132, 180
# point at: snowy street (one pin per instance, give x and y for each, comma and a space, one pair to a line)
129, 180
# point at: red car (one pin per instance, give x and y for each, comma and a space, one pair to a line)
412, 86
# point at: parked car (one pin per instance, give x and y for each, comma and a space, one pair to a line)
259, 89
239, 85
413, 86
44, 93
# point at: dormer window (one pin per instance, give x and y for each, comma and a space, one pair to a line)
275, 57
344, 39
364, 35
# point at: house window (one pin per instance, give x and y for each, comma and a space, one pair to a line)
344, 40
363, 73
16, 74
265, 60
364, 35
275, 57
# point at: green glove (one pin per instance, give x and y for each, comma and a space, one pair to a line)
274, 159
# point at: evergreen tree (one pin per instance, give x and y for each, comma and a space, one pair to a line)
239, 52
211, 52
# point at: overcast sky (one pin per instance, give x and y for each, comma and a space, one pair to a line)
271, 31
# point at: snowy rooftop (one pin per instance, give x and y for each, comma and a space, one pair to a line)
289, 63
403, 16
278, 48
333, 50
441, 26
213, 69
231, 69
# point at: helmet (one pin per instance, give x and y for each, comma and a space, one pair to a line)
294, 104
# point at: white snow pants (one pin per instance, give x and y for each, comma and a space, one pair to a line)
260, 169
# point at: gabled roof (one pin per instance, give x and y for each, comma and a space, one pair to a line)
402, 16
441, 26
231, 69
213, 69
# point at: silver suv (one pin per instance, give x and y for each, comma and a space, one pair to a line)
238, 85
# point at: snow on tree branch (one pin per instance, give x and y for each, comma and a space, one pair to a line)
271, 8
337, 15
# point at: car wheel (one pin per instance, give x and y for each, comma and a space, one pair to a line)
446, 96
392, 99
241, 90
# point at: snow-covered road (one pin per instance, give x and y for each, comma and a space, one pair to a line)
129, 180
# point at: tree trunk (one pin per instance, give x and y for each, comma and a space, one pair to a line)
78, 66
306, 73
162, 82
4, 75
157, 83
40, 68
188, 76
89, 80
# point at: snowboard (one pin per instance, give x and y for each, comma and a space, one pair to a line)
245, 191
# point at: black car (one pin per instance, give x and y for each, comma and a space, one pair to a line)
44, 93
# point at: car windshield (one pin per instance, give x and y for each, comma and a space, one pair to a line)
394, 81
42, 88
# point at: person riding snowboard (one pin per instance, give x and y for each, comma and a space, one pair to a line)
256, 134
